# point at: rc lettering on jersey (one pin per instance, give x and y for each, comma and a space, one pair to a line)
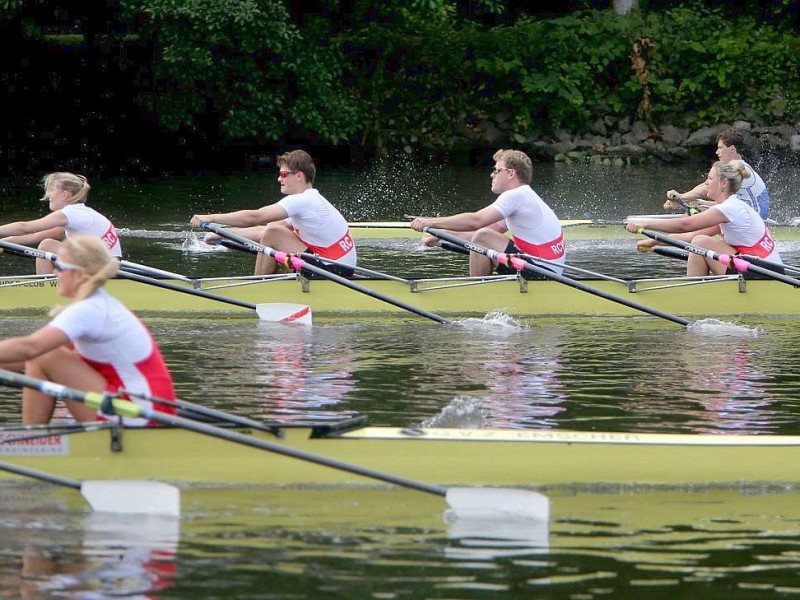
762, 248
336, 250
550, 250
110, 237
346, 243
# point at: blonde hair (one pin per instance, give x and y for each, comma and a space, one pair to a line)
518, 161
734, 172
76, 185
89, 253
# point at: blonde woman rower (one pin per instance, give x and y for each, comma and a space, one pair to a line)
67, 194
729, 226
93, 344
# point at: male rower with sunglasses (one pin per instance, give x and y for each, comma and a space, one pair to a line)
302, 221
533, 226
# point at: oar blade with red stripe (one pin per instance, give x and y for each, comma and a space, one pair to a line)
284, 312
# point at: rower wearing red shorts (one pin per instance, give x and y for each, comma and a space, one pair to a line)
94, 344
533, 226
302, 221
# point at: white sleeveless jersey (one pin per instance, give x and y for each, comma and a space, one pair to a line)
320, 226
82, 219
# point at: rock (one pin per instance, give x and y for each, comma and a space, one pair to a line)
626, 150
672, 136
707, 136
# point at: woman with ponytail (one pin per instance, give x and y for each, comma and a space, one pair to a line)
729, 226
93, 344
66, 195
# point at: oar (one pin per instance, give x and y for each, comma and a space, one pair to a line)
205, 411
307, 255
298, 263
768, 264
118, 496
464, 501
670, 252
690, 210
279, 312
153, 272
520, 265
726, 259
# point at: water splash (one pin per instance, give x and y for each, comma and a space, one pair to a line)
716, 327
192, 244
497, 318
460, 413
396, 185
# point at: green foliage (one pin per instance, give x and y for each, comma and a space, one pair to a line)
244, 62
409, 77
418, 74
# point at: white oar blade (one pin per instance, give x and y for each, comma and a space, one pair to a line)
284, 312
493, 503
133, 497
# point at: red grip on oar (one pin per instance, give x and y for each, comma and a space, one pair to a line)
741, 265
503, 258
517, 263
283, 258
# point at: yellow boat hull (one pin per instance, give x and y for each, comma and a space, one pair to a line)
729, 298
528, 458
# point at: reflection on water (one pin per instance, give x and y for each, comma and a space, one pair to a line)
53, 548
587, 374
714, 543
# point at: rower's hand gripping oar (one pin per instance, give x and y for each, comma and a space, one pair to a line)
726, 259
272, 311
117, 496
523, 265
295, 262
469, 501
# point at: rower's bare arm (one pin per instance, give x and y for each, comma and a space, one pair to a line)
462, 222
33, 239
698, 192
19, 349
53, 220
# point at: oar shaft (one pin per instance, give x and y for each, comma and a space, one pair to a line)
184, 290
520, 264
34, 253
40, 475
299, 263
205, 411
728, 260
307, 255
153, 272
129, 409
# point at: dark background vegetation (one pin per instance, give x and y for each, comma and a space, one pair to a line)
143, 87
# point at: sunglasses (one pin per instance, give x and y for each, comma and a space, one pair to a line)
285, 174
64, 266
496, 170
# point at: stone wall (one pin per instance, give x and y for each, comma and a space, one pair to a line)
625, 142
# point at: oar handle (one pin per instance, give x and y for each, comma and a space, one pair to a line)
522, 265
295, 262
